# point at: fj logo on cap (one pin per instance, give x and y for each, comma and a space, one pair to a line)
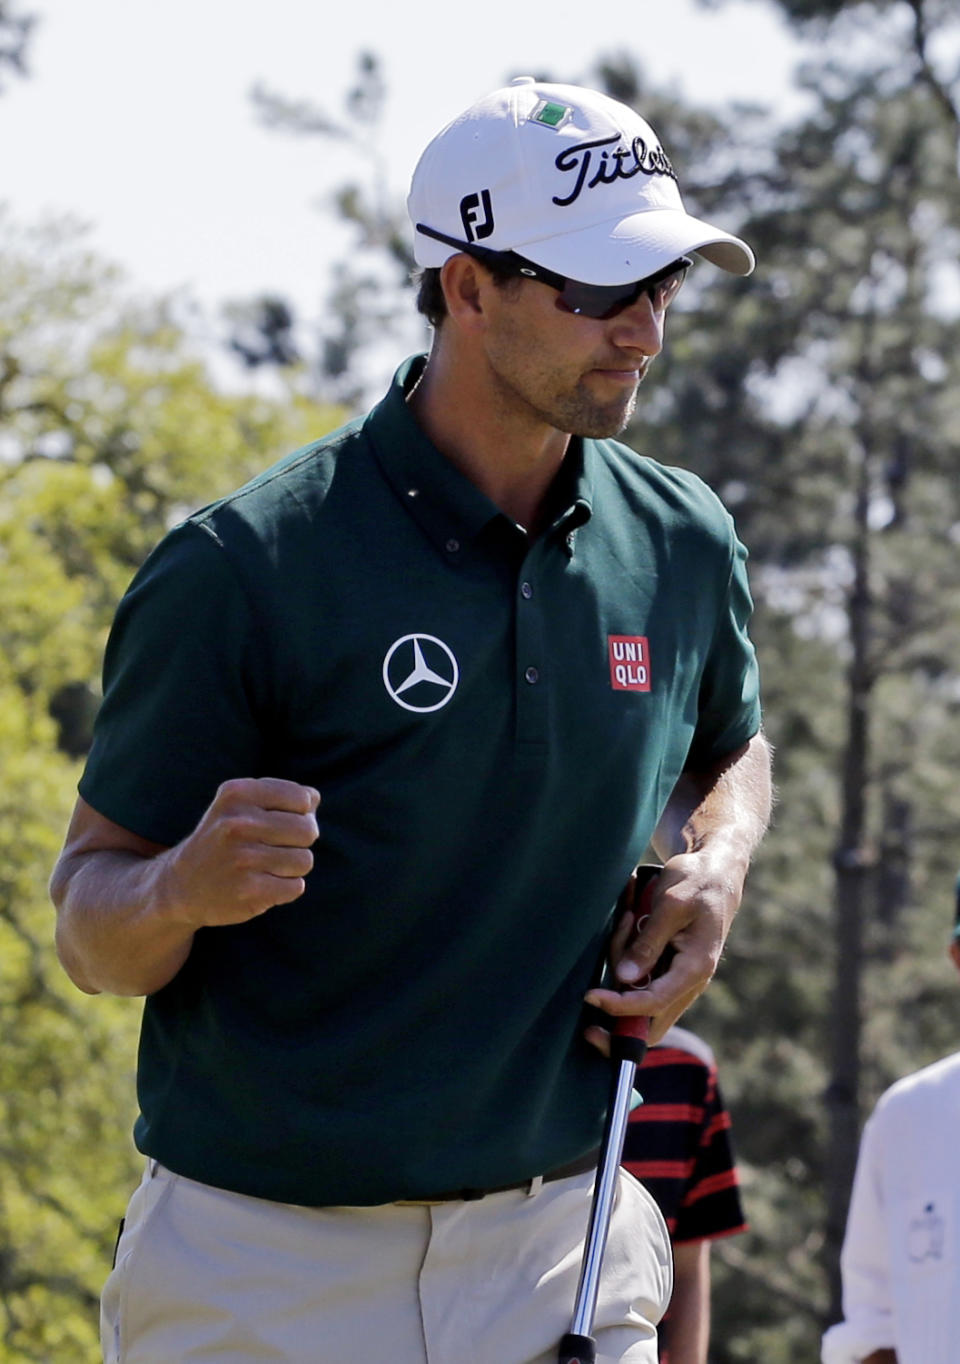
629, 662
475, 227
549, 114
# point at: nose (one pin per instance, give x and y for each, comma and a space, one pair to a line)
639, 327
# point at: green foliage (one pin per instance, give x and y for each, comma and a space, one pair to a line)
67, 1078
110, 429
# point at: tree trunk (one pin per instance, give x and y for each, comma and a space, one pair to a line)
853, 865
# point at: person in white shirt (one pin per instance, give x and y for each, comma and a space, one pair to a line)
901, 1255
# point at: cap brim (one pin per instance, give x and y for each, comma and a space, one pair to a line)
634, 247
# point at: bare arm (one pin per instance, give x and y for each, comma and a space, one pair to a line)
687, 1331
127, 909
709, 830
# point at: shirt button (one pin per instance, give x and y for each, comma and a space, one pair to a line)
452, 546
532, 675
526, 591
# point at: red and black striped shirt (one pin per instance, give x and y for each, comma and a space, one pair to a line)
678, 1141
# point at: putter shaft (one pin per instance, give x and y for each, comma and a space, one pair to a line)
618, 1113
628, 1043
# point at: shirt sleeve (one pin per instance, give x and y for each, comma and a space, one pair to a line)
868, 1323
729, 702
184, 692
711, 1205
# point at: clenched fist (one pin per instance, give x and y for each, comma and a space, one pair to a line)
250, 851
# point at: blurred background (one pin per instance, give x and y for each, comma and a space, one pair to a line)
204, 262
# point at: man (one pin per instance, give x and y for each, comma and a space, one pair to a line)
503, 649
900, 1260
678, 1146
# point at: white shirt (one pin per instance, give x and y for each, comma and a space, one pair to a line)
901, 1259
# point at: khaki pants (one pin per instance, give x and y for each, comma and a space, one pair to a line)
206, 1275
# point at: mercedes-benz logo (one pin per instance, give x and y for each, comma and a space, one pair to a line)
420, 672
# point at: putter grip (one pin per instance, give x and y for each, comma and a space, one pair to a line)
628, 1039
576, 1349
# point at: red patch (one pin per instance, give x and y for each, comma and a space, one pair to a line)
629, 662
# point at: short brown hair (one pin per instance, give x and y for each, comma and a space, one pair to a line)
430, 300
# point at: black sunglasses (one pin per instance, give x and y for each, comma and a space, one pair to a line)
600, 301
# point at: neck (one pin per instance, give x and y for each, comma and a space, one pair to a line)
510, 454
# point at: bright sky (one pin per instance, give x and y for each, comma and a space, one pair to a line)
137, 115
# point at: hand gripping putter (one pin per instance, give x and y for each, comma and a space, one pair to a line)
628, 1045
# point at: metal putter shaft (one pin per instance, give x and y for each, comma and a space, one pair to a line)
628, 1045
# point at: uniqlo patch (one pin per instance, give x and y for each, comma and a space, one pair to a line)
629, 662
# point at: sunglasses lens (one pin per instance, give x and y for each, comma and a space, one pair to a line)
603, 301
596, 300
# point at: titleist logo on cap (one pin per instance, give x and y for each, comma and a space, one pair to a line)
622, 164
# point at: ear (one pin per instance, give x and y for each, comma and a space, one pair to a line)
954, 950
465, 287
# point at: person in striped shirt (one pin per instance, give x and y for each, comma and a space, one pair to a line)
678, 1145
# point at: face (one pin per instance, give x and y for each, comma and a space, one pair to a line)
577, 374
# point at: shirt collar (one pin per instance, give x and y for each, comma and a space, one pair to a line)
442, 500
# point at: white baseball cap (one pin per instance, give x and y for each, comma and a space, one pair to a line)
567, 177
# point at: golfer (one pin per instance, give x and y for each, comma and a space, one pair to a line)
384, 734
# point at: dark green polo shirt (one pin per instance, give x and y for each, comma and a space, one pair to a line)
494, 725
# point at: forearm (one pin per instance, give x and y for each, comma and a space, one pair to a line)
687, 1331
723, 809
882, 1357
117, 930
127, 908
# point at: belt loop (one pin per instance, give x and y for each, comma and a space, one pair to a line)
535, 1185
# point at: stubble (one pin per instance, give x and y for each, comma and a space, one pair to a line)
528, 384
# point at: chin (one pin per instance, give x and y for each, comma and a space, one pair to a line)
606, 432
601, 425
599, 421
